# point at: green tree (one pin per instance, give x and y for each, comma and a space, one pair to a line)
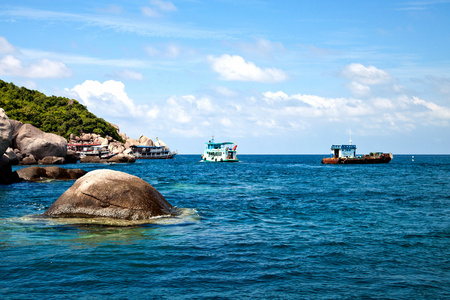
53, 114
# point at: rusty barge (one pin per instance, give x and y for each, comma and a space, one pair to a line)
346, 154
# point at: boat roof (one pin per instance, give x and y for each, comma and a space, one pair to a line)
143, 146
224, 143
81, 144
346, 147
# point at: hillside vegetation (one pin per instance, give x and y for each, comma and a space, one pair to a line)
53, 114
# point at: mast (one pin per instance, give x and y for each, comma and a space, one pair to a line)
350, 136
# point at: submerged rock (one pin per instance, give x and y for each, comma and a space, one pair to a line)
111, 194
43, 173
119, 158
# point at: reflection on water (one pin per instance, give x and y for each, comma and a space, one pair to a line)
34, 229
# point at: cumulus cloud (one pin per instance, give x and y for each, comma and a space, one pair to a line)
271, 97
365, 79
10, 65
366, 75
232, 113
43, 68
358, 89
276, 112
107, 99
234, 67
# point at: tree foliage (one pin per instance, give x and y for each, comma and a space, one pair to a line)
58, 115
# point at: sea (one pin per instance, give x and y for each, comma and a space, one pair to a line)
267, 227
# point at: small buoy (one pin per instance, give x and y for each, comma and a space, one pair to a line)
412, 158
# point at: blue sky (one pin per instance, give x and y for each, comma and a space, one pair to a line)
272, 76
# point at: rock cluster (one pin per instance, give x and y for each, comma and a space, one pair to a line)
25, 144
29, 145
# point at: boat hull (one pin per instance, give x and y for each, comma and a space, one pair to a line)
225, 161
170, 156
366, 159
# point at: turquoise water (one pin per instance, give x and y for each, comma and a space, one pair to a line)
268, 227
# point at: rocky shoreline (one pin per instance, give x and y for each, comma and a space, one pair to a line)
24, 144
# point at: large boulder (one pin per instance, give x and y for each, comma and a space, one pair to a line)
112, 194
12, 156
116, 147
131, 142
31, 140
5, 132
16, 125
122, 158
44, 173
51, 160
91, 159
145, 141
6, 174
71, 157
28, 160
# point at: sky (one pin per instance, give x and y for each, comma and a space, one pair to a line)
275, 77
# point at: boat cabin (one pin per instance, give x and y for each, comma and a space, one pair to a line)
348, 151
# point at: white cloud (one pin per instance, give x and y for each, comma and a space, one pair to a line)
261, 47
157, 7
383, 103
149, 12
358, 89
168, 51
112, 9
5, 46
271, 97
46, 68
129, 75
151, 51
236, 68
279, 113
43, 68
266, 114
224, 91
108, 99
163, 5
119, 24
366, 75
173, 51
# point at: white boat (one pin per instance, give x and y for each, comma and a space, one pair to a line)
220, 152
91, 149
158, 151
152, 152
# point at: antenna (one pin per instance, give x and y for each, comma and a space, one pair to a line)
350, 136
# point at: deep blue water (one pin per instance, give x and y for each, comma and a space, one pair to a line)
268, 227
